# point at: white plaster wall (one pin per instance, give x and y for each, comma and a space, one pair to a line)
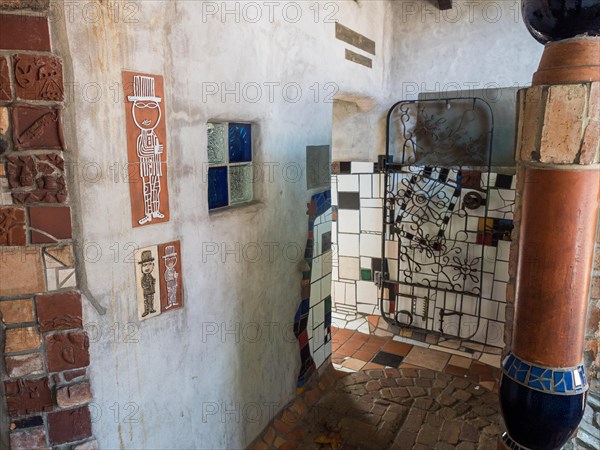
172, 368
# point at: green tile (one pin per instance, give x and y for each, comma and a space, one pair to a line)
366, 275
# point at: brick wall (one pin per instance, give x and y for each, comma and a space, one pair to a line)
45, 380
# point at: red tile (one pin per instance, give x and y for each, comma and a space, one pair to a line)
455, 370
5, 85
397, 348
70, 425
59, 311
363, 355
18, 32
56, 222
38, 77
37, 128
12, 226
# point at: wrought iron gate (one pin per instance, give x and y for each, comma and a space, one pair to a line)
435, 215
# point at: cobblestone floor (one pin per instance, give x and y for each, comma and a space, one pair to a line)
417, 409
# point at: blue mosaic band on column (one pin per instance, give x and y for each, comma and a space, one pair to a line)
511, 444
557, 381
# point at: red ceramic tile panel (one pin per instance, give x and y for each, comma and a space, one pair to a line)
38, 77
66, 351
25, 397
12, 226
69, 426
37, 128
145, 120
5, 88
56, 222
19, 32
171, 283
59, 311
37, 178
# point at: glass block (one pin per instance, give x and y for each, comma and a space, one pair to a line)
218, 195
241, 183
217, 143
240, 142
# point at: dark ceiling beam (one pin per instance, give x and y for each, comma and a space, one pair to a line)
445, 4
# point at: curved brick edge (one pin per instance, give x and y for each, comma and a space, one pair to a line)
48, 393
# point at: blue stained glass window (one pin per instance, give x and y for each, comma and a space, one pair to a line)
240, 142
218, 187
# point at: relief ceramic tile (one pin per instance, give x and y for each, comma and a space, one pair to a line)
348, 221
171, 283
366, 292
499, 291
12, 226
146, 148
350, 296
347, 183
371, 203
502, 271
362, 167
38, 128
370, 245
371, 219
366, 186
38, 77
348, 244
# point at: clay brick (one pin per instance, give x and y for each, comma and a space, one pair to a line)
69, 426
19, 32
5, 85
73, 395
59, 311
67, 351
591, 138
530, 109
21, 271
27, 439
22, 339
4, 124
24, 365
595, 294
17, 311
24, 397
563, 121
54, 222
70, 376
12, 226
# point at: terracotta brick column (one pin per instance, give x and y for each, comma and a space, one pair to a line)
45, 354
544, 386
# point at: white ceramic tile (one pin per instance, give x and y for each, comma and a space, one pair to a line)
350, 296
348, 221
348, 244
469, 325
378, 186
503, 250
326, 285
489, 309
51, 263
468, 305
486, 285
365, 262
327, 263
316, 270
492, 360
318, 311
403, 303
315, 292
371, 219
366, 186
495, 333
309, 328
334, 230
347, 183
339, 292
499, 291
371, 203
334, 194
472, 223
502, 312
391, 249
370, 245
366, 292
335, 271
361, 167
51, 280
349, 268
319, 356
501, 271
328, 349
365, 309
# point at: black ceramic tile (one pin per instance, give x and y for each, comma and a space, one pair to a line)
348, 200
504, 181
326, 242
376, 264
345, 167
388, 359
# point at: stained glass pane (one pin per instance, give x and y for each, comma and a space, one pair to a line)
218, 195
217, 143
240, 142
241, 183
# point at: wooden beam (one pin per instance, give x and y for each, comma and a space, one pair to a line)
445, 4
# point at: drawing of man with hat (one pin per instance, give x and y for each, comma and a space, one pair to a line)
146, 115
148, 282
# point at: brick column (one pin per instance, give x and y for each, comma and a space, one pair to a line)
45, 354
544, 386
